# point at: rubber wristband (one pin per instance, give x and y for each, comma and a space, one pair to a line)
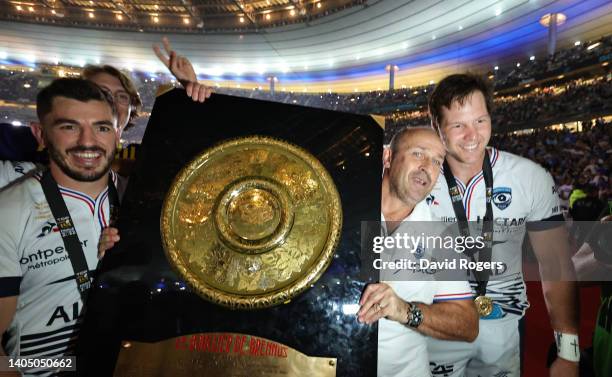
568, 347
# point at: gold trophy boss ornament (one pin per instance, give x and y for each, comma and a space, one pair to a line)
251, 222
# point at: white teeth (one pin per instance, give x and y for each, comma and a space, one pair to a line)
87, 155
470, 147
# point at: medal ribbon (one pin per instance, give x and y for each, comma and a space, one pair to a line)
484, 254
67, 229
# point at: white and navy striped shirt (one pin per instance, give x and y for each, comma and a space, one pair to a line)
524, 198
402, 351
35, 266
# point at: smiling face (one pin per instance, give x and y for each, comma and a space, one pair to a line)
119, 94
81, 138
414, 165
466, 129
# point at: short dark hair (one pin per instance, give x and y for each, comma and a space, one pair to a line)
77, 89
458, 88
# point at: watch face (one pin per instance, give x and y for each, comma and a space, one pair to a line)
415, 316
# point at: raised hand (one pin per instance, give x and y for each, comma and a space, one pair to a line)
183, 71
179, 66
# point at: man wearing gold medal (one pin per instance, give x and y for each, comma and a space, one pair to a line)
500, 196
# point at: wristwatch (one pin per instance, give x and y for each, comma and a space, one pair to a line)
415, 316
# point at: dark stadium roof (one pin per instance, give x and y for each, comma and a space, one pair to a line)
184, 16
345, 50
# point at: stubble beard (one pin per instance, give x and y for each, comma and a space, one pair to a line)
60, 160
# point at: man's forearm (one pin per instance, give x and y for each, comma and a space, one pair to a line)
450, 320
552, 248
562, 302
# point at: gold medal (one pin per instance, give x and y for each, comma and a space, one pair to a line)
484, 305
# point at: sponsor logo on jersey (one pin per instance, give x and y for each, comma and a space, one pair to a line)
47, 257
500, 224
431, 200
455, 194
499, 269
65, 314
504, 221
503, 373
65, 226
502, 197
419, 251
43, 212
47, 228
441, 369
19, 169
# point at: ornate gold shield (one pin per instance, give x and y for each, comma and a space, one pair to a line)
251, 222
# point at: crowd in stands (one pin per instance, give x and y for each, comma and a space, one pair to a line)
398, 105
540, 106
563, 61
407, 100
374, 102
19, 86
546, 104
577, 160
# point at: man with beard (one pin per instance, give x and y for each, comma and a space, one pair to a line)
127, 101
51, 222
410, 310
505, 196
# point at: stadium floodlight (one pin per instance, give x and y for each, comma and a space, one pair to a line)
545, 19
594, 45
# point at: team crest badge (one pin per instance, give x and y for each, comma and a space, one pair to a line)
502, 197
419, 252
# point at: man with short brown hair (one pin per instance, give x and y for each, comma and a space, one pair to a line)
53, 219
486, 187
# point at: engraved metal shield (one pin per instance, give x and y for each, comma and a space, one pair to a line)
251, 222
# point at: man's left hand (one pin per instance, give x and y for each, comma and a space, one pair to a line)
380, 300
